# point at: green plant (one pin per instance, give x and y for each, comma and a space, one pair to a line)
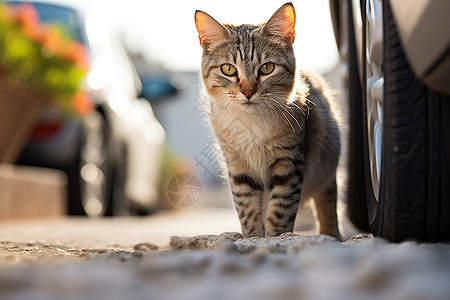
41, 56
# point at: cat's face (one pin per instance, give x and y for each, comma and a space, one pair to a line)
247, 65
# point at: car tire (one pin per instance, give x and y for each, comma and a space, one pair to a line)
356, 208
74, 206
118, 197
413, 200
90, 177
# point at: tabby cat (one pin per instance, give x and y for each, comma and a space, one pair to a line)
273, 123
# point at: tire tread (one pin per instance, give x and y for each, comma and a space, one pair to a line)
415, 203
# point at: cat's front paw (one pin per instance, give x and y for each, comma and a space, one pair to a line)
274, 233
253, 231
334, 232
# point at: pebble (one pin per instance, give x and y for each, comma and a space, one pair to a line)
145, 247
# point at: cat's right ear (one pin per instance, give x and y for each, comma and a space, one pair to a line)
209, 30
282, 23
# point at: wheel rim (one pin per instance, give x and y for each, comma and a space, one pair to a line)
375, 88
93, 152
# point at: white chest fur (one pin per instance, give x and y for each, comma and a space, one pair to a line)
246, 133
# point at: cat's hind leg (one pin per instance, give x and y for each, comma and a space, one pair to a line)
325, 204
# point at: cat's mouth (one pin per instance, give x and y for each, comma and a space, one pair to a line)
248, 105
244, 103
247, 102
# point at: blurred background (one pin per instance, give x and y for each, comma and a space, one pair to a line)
138, 140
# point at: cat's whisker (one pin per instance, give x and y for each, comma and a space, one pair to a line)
293, 117
283, 99
281, 111
270, 109
225, 112
192, 106
220, 111
221, 106
297, 107
307, 100
221, 114
217, 105
283, 106
308, 108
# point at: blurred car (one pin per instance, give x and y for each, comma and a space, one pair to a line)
113, 155
396, 60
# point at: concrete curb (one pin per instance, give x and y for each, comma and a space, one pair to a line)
31, 192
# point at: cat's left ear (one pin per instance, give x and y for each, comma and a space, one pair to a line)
209, 30
282, 23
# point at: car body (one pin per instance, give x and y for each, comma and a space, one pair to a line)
113, 155
396, 61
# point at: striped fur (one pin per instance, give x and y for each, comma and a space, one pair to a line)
282, 144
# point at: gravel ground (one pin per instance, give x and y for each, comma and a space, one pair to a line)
227, 267
168, 256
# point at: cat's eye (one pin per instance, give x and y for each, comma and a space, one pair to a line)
228, 69
266, 68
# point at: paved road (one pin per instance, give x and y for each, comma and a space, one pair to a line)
112, 259
125, 232
122, 232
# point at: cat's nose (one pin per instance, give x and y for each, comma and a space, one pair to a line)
248, 93
248, 88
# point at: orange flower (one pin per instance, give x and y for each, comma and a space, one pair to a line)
81, 103
28, 17
76, 52
51, 40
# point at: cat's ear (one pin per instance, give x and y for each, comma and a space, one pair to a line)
282, 23
209, 30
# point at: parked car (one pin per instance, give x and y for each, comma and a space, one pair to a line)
397, 63
112, 156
